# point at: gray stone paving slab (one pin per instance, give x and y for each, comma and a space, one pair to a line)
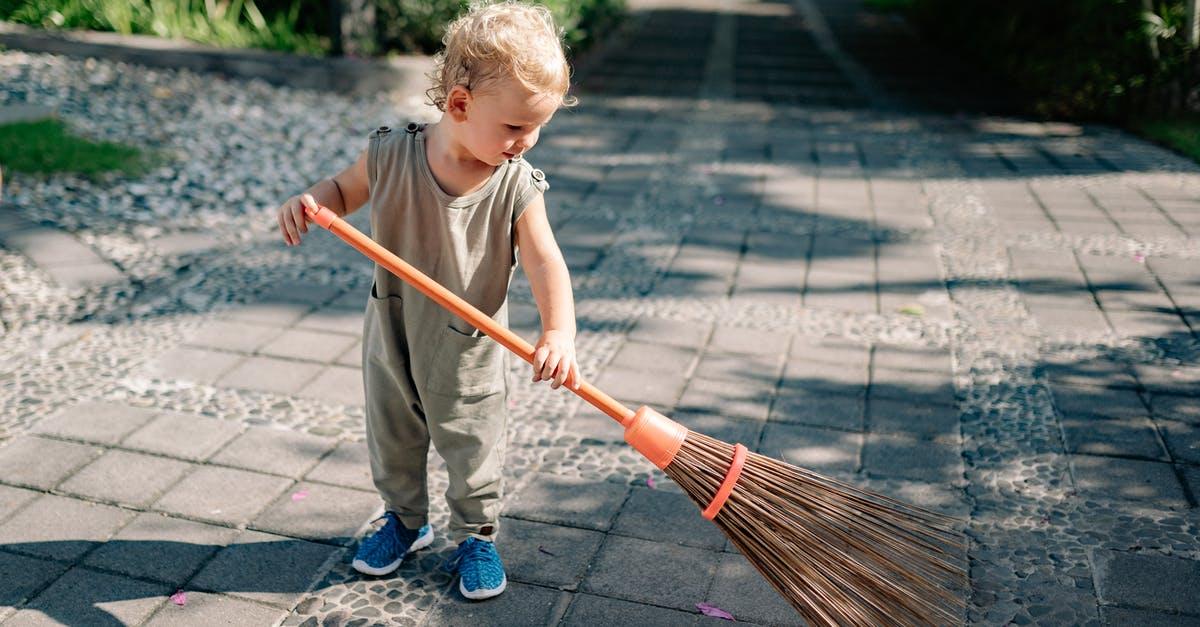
50, 247
1126, 617
186, 436
11, 499
653, 357
754, 368
1147, 581
125, 478
191, 364
335, 320
87, 597
910, 358
1133, 437
274, 451
736, 399
588, 610
186, 243
92, 421
549, 555
162, 548
348, 466
266, 568
741, 591
269, 374
280, 314
308, 345
204, 609
1185, 408
842, 380
85, 275
319, 512
352, 357
741, 340
1089, 372
622, 381
1077, 402
906, 457
1183, 440
61, 528
1128, 480
570, 501
42, 463
233, 335
23, 576
299, 292
1169, 379
669, 517
728, 430
818, 409
912, 385
337, 384
222, 495
520, 605
891, 416
635, 569
821, 450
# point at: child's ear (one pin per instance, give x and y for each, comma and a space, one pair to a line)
457, 102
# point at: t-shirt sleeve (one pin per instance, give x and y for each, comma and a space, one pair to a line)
530, 184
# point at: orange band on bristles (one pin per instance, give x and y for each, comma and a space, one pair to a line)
731, 477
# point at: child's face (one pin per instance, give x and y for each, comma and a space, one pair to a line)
503, 121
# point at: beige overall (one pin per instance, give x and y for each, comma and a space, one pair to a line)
430, 376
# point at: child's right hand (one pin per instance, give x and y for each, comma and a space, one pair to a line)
292, 219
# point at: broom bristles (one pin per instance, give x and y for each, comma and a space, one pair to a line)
839, 554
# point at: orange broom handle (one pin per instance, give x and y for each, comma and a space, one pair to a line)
328, 219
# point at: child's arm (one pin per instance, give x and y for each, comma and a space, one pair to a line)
554, 353
344, 193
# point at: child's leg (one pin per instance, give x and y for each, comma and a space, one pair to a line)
469, 434
397, 436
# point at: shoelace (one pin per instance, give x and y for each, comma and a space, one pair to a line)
386, 538
472, 551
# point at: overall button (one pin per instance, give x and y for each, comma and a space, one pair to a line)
412, 127
383, 129
538, 175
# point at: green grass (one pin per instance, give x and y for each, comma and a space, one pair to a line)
1181, 134
48, 146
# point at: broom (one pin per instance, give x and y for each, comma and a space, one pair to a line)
839, 554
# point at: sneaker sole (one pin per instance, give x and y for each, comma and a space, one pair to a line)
418, 544
480, 595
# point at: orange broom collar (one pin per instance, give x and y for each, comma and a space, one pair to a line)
731, 477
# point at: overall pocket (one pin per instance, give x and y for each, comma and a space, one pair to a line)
383, 330
467, 365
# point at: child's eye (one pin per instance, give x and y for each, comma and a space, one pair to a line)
512, 127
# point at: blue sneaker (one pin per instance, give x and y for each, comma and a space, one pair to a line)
382, 553
481, 575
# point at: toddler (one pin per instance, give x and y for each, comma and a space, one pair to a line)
456, 199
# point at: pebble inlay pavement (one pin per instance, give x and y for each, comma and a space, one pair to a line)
993, 317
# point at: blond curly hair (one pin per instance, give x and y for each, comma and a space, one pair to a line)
505, 40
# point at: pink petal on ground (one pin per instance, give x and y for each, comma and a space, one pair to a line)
712, 610
179, 598
300, 495
1139, 257
650, 482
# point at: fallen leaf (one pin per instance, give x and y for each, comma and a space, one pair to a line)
300, 495
712, 610
543, 550
179, 598
913, 310
163, 92
650, 482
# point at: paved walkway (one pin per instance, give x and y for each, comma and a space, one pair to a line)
770, 240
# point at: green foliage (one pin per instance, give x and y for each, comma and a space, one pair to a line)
1182, 134
229, 23
1089, 59
416, 26
47, 146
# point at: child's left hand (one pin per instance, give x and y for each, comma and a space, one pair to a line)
554, 360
